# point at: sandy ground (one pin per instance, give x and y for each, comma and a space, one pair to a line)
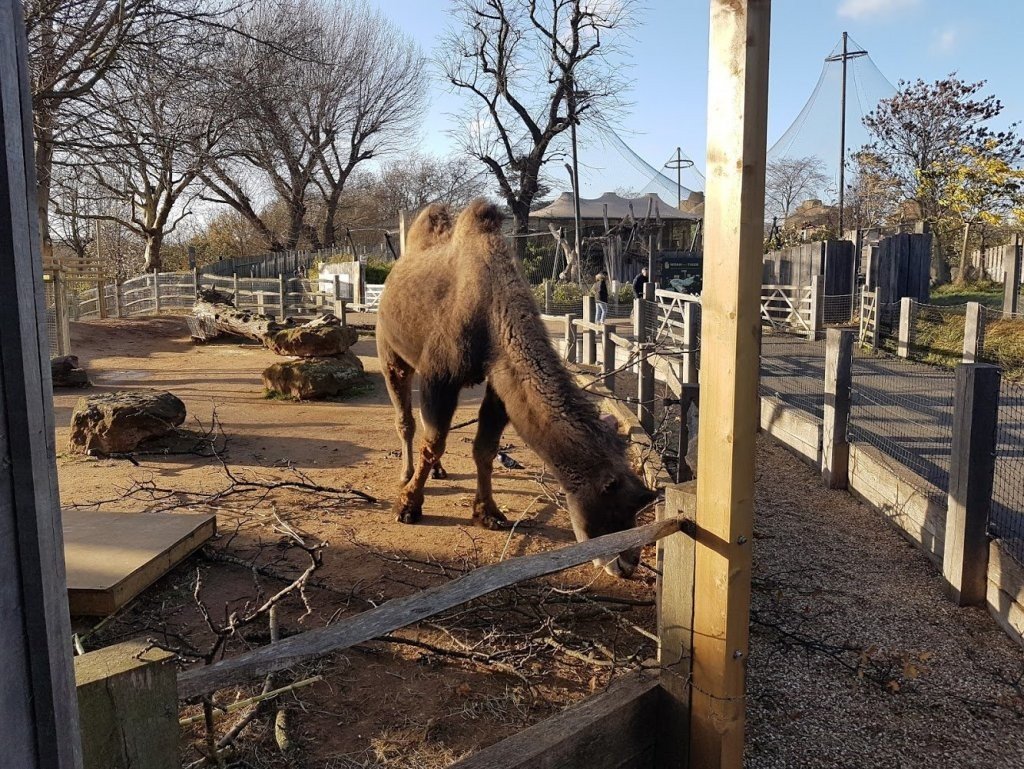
857, 659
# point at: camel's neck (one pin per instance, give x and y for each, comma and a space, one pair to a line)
544, 404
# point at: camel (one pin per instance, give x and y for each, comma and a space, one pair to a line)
457, 311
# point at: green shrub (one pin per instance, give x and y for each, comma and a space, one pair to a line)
377, 270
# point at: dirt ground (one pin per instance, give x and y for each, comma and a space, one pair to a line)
857, 658
505, 663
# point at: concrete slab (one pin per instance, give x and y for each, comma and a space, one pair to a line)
112, 557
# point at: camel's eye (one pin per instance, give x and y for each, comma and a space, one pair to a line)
611, 486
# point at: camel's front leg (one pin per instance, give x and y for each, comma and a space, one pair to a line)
438, 399
493, 419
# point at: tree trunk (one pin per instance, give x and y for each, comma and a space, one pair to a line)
940, 264
44, 168
961, 276
154, 244
322, 337
520, 225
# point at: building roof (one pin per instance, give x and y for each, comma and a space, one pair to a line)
618, 208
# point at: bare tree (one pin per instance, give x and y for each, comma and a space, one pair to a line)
321, 88
789, 181
529, 68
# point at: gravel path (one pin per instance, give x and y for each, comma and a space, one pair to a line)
857, 658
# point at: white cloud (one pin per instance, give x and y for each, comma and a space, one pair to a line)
945, 40
862, 9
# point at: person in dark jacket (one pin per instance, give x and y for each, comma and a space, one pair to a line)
600, 293
638, 283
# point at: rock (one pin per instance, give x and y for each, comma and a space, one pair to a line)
315, 378
316, 339
116, 423
65, 372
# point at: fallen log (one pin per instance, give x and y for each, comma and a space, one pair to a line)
322, 337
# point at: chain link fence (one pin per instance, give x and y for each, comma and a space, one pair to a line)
1006, 519
793, 372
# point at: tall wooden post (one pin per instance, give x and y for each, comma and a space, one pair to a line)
282, 288
118, 312
234, 287
974, 332
570, 339
691, 328
835, 451
548, 296
402, 215
734, 224
608, 355
156, 292
903, 341
589, 337
38, 716
816, 314
971, 472
1011, 279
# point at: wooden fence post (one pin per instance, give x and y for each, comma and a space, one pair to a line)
101, 299
971, 471
835, 454
608, 355
645, 388
402, 214
817, 308
339, 300
195, 282
974, 332
281, 289
128, 705
156, 292
906, 330
589, 337
691, 327
118, 312
729, 405
1011, 279
675, 631
60, 314
548, 296
570, 339
38, 717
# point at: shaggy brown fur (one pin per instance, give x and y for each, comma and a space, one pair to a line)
456, 310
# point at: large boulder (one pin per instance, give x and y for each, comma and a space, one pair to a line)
315, 378
320, 338
117, 422
65, 372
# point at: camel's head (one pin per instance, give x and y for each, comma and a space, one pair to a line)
610, 504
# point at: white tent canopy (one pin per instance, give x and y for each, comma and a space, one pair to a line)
618, 207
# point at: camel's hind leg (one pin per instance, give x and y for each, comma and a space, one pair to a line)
493, 419
438, 399
398, 376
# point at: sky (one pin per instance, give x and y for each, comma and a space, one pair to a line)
667, 65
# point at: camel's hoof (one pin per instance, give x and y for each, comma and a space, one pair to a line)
408, 512
489, 516
438, 473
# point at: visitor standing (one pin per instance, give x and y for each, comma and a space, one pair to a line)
600, 293
638, 283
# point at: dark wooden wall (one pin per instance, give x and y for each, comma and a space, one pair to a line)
902, 267
38, 711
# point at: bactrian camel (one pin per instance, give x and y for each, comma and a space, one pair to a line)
456, 310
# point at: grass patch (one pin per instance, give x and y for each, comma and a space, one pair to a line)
1004, 346
938, 339
986, 292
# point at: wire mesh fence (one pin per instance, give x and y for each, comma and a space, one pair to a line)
839, 309
937, 334
905, 410
1002, 343
1006, 518
887, 323
793, 372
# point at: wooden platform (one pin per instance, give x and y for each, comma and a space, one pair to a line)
112, 557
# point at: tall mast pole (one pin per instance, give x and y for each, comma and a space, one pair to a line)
679, 163
844, 57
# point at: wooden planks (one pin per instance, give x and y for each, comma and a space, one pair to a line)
112, 557
610, 731
730, 335
38, 717
413, 608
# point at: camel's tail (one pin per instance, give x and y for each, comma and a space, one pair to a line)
432, 226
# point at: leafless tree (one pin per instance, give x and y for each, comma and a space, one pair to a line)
529, 69
321, 88
789, 181
73, 46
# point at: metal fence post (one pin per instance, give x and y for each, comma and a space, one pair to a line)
974, 332
906, 326
608, 356
156, 292
835, 453
281, 287
589, 338
971, 471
